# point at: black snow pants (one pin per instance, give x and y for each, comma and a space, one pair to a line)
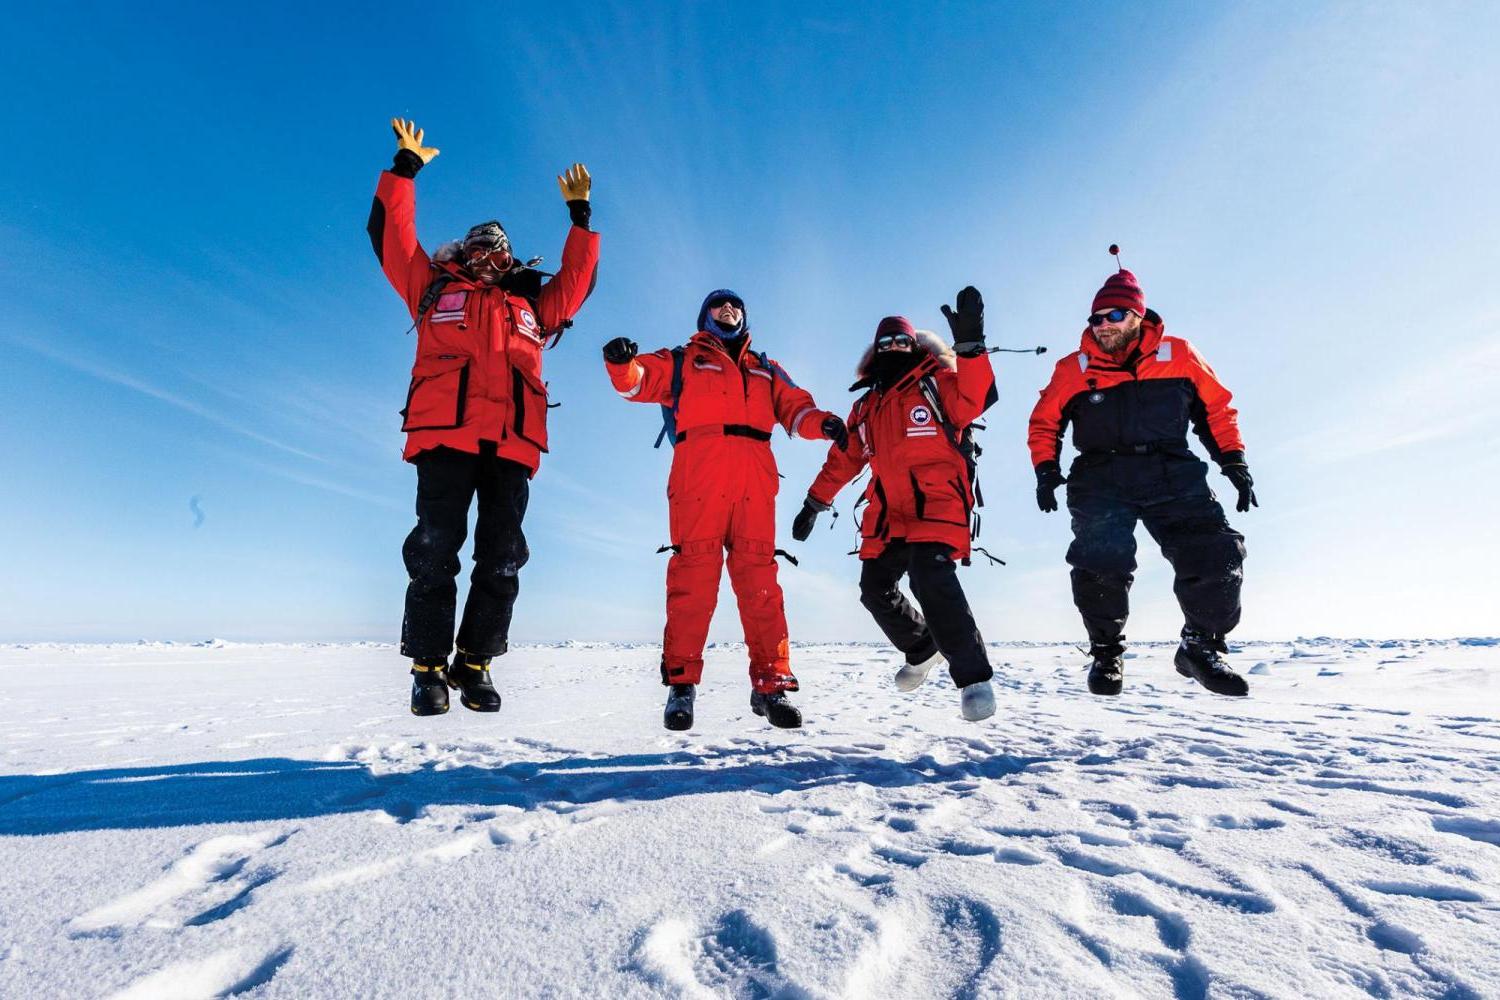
948, 626
447, 480
1107, 495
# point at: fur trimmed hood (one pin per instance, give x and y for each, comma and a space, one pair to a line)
928, 341
448, 251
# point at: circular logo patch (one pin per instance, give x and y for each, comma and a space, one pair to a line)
1096, 397
527, 320
921, 415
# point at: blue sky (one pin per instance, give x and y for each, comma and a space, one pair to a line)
1305, 191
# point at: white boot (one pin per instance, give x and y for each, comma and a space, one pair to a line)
911, 676
977, 701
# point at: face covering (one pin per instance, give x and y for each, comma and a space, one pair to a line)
888, 367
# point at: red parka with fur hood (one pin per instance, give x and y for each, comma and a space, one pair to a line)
919, 489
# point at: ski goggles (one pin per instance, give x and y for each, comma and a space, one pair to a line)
895, 342
1113, 316
497, 257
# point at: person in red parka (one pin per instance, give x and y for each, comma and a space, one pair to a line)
1130, 392
908, 428
721, 400
475, 416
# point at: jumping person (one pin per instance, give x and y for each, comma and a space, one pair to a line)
721, 400
475, 416
921, 396
1130, 393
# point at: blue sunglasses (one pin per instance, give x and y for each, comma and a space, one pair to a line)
1113, 316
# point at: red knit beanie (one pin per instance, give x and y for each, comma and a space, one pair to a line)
1120, 291
895, 324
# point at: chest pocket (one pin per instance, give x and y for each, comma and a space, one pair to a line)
449, 307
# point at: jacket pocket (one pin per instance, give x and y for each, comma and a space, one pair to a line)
938, 495
435, 401
529, 407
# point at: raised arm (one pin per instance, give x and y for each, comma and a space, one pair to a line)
969, 390
393, 216
645, 379
564, 294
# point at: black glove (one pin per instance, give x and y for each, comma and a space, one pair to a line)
620, 350
1048, 478
802, 525
968, 323
1238, 473
835, 431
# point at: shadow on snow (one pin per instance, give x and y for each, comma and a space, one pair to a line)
279, 788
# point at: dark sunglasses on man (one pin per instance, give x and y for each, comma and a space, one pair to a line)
1113, 316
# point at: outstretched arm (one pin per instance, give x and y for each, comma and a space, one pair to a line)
645, 379
794, 407
840, 467
564, 294
393, 216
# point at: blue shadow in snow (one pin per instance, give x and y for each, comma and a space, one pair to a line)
279, 788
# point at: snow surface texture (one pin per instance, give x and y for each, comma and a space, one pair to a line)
269, 821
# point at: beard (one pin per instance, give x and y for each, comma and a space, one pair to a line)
1117, 340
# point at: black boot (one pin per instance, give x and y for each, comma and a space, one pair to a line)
1107, 672
471, 679
429, 688
679, 713
1199, 657
778, 711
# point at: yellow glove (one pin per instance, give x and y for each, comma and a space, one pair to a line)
408, 136
574, 183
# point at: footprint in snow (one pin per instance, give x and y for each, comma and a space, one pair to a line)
225, 973
212, 881
970, 939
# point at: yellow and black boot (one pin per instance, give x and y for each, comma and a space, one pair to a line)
470, 677
429, 687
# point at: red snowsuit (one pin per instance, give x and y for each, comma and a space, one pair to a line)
722, 494
919, 489
478, 372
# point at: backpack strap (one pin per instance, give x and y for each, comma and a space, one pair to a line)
962, 441
669, 413
429, 297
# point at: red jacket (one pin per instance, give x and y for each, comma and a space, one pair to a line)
919, 487
718, 392
1145, 401
478, 372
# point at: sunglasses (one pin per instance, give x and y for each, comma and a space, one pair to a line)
895, 342
1113, 316
718, 303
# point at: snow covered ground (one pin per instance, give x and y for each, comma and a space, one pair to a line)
269, 821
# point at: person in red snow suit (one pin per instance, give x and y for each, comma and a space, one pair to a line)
1130, 392
475, 416
722, 399
907, 427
